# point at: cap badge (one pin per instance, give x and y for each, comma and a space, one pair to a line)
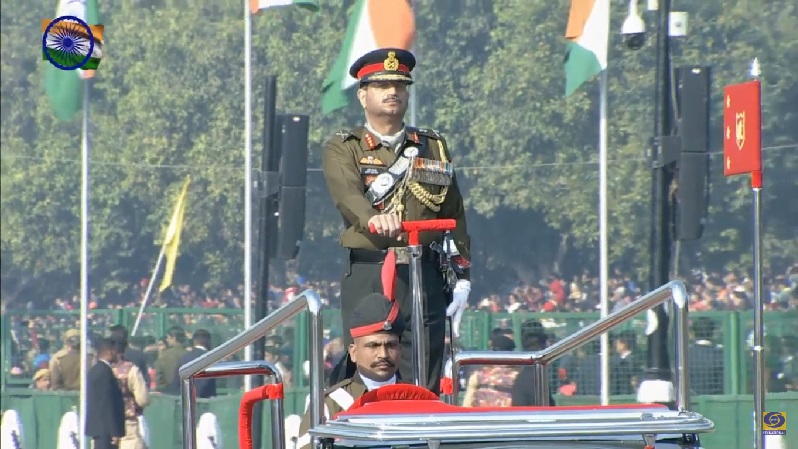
387, 325
391, 63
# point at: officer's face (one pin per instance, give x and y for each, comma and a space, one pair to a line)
385, 98
376, 355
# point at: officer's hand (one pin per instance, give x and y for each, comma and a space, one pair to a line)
386, 225
459, 303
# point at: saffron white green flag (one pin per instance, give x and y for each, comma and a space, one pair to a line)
588, 33
373, 24
257, 5
65, 87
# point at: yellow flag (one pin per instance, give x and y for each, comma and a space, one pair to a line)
172, 241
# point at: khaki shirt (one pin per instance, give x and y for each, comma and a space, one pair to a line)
65, 370
350, 162
137, 386
337, 398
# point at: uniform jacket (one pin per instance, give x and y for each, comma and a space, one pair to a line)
166, 366
353, 158
65, 370
134, 388
337, 398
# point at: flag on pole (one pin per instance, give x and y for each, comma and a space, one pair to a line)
373, 24
742, 128
588, 33
257, 5
64, 88
172, 241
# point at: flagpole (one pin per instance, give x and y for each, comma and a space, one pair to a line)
149, 289
84, 262
412, 105
603, 250
247, 181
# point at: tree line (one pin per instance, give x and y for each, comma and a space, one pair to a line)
168, 101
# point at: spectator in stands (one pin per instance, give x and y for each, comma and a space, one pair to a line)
167, 363
705, 359
119, 333
65, 364
201, 344
626, 365
41, 380
42, 359
272, 355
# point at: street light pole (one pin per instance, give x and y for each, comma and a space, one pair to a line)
658, 385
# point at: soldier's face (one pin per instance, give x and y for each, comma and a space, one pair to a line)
376, 355
384, 98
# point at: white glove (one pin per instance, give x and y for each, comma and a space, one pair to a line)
459, 303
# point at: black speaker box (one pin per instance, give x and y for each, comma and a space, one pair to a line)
693, 194
693, 95
294, 146
292, 221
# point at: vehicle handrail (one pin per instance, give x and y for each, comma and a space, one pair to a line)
674, 290
203, 366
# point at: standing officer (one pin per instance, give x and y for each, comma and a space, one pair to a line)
65, 364
381, 174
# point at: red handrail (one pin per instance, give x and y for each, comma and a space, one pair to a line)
413, 228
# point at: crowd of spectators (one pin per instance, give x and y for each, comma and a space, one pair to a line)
35, 335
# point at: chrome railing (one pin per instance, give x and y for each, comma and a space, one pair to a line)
208, 366
674, 290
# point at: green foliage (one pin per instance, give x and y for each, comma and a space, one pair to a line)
168, 101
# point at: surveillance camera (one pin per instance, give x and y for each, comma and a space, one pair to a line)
634, 29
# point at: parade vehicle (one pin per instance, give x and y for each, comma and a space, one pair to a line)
408, 416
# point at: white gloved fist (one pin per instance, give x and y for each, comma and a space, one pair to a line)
459, 303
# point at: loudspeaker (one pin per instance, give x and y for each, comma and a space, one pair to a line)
292, 221
693, 97
294, 160
693, 194
294, 174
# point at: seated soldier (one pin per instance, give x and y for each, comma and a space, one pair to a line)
376, 349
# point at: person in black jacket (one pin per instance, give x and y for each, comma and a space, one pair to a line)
204, 388
533, 338
134, 356
105, 407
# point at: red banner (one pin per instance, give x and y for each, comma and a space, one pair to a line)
742, 128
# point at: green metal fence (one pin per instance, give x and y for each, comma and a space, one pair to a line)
732, 332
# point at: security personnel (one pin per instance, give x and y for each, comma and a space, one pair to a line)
167, 363
381, 174
135, 394
376, 332
65, 364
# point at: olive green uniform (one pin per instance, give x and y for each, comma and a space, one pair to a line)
351, 160
337, 398
166, 366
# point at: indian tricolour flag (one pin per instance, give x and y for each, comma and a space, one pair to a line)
588, 33
65, 87
257, 5
373, 24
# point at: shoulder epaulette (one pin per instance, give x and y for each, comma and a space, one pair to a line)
429, 132
340, 384
345, 135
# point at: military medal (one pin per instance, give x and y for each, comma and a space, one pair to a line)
429, 171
